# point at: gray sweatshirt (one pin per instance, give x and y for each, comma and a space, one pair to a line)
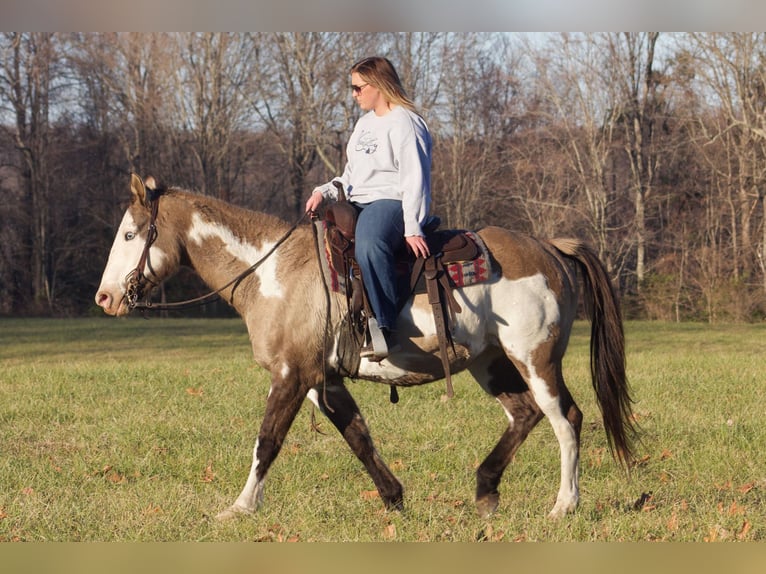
389, 157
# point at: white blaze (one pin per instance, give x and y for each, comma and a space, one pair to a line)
125, 253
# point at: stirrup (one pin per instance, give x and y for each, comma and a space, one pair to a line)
377, 350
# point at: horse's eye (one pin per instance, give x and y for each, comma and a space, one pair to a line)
129, 235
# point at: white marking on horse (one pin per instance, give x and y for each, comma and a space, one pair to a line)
536, 311
251, 496
569, 489
245, 252
313, 396
128, 251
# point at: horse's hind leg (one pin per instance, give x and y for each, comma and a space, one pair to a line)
499, 377
525, 405
554, 399
345, 415
567, 423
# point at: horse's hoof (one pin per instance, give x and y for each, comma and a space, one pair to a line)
486, 505
395, 505
231, 513
561, 509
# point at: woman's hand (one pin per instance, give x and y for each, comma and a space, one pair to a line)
418, 245
314, 201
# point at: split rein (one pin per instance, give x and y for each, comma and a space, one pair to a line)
137, 280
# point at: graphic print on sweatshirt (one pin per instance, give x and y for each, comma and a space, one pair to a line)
367, 142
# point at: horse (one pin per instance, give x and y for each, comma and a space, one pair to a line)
511, 334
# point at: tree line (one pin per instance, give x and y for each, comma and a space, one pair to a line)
648, 145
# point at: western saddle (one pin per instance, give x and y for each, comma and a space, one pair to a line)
427, 275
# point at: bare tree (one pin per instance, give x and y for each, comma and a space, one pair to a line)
731, 68
579, 115
210, 106
28, 76
127, 75
419, 58
302, 83
475, 119
636, 88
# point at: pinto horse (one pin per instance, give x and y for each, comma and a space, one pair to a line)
511, 334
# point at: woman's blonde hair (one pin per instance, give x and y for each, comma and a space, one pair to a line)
380, 73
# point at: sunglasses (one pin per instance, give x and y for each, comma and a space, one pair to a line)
358, 89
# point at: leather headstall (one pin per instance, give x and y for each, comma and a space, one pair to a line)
136, 279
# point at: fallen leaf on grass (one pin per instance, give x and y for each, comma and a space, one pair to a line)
733, 509
717, 532
276, 533
111, 474
673, 522
28, 491
208, 475
642, 461
596, 457
723, 486
370, 494
3, 513
742, 534
281, 538
745, 488
115, 477
666, 454
488, 534
389, 532
198, 392
637, 416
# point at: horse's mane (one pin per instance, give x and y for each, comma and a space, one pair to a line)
215, 209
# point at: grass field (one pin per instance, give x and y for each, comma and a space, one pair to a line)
136, 430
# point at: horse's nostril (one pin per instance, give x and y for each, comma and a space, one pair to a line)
102, 299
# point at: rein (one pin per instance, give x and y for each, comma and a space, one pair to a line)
135, 278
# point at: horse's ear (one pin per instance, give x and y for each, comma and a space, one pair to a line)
138, 189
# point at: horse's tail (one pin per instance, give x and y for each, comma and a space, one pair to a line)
607, 350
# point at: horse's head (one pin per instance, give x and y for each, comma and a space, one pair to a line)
136, 262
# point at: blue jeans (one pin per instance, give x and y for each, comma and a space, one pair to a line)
379, 236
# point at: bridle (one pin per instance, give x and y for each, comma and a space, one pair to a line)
137, 280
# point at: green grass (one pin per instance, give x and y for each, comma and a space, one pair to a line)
136, 430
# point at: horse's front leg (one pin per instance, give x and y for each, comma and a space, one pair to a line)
283, 403
345, 415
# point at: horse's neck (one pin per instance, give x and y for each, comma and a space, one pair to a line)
222, 247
